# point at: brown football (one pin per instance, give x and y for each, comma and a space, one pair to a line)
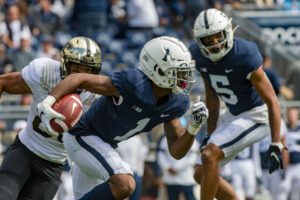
69, 106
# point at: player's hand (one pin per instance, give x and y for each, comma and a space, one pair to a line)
199, 116
204, 141
46, 113
274, 156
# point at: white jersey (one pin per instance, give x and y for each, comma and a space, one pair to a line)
184, 167
42, 75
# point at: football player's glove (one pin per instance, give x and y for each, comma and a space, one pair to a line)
199, 116
46, 113
274, 156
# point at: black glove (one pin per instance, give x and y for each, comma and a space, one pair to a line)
204, 141
275, 157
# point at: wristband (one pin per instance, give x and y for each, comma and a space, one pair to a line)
49, 100
279, 145
192, 130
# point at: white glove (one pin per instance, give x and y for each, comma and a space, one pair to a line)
199, 116
46, 113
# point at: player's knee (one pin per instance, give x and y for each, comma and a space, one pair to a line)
198, 174
122, 185
208, 157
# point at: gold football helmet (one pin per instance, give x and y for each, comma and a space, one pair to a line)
81, 50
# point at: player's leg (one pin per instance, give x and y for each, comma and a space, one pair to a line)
101, 163
138, 187
44, 180
224, 190
14, 171
211, 156
226, 141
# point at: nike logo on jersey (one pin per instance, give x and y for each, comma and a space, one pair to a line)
164, 115
228, 70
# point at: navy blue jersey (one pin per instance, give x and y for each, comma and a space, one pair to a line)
230, 76
138, 111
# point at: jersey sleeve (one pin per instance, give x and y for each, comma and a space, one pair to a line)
124, 81
41, 75
87, 99
253, 60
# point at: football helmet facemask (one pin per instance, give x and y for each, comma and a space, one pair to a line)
168, 63
81, 50
210, 22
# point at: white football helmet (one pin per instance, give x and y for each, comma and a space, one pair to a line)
209, 22
168, 63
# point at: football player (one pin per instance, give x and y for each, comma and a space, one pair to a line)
134, 100
290, 186
33, 165
231, 68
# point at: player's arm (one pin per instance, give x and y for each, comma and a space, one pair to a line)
213, 106
285, 154
181, 139
98, 84
178, 138
13, 83
265, 90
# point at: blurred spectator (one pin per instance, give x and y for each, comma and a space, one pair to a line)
42, 20
192, 10
177, 12
22, 56
177, 175
265, 3
141, 14
23, 7
8, 68
272, 182
89, 17
65, 190
163, 12
293, 81
134, 151
217, 4
47, 49
13, 28
291, 184
26, 99
2, 126
279, 88
244, 181
4, 59
19, 125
